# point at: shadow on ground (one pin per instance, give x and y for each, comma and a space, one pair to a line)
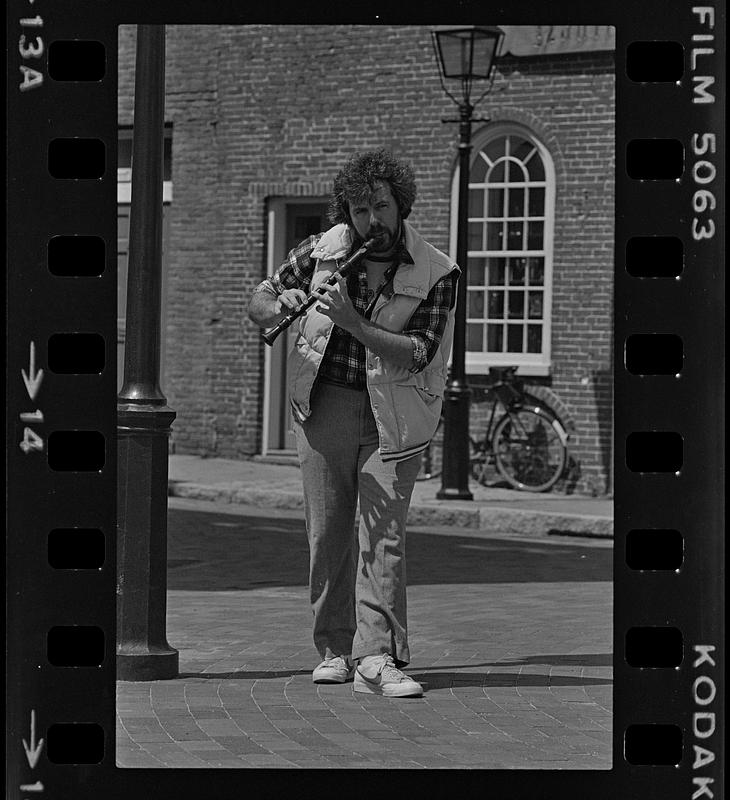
450, 680
443, 678
222, 552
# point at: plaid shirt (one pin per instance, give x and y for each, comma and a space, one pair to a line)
344, 359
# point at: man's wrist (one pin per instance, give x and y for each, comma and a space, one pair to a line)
420, 353
391, 345
357, 327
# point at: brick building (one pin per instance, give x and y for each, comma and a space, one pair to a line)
258, 121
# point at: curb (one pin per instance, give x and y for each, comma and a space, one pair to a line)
487, 518
239, 494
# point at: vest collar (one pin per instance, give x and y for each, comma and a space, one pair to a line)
414, 279
334, 243
410, 278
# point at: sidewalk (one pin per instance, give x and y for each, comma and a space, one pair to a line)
512, 640
493, 510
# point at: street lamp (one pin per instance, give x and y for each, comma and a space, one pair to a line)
464, 55
143, 418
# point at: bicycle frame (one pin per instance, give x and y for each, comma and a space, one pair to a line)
503, 395
509, 395
509, 402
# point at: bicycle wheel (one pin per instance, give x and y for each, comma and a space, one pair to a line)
529, 450
432, 456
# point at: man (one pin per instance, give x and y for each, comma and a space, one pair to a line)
366, 380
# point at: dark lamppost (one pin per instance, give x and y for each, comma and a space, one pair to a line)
143, 418
464, 55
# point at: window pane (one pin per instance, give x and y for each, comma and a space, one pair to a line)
496, 305
495, 202
514, 236
535, 305
535, 168
516, 305
535, 235
494, 236
514, 338
496, 271
123, 230
517, 271
476, 304
476, 273
520, 147
124, 152
517, 173
476, 233
495, 148
495, 339
478, 170
167, 156
537, 203
306, 226
496, 174
475, 338
516, 203
476, 202
537, 271
534, 338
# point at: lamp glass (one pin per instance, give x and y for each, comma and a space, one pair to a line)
485, 48
467, 52
455, 50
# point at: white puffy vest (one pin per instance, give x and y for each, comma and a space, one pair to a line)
406, 405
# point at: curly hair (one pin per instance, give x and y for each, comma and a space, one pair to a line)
359, 176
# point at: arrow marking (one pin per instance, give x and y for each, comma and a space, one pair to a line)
32, 787
32, 752
33, 379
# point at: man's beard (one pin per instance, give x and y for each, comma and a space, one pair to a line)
385, 240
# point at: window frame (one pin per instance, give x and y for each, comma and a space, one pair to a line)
537, 364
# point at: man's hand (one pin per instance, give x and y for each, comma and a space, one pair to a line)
289, 300
267, 309
335, 303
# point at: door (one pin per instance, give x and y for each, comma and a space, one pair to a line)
290, 222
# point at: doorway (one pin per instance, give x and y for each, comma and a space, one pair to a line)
290, 220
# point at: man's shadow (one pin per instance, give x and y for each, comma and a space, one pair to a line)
451, 678
217, 552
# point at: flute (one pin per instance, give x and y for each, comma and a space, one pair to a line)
270, 335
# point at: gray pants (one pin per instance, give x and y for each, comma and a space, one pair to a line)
358, 593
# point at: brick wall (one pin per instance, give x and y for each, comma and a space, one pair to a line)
260, 110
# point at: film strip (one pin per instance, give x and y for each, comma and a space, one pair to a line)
62, 444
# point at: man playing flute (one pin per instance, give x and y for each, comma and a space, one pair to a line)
366, 380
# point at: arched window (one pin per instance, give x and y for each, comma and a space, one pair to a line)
509, 270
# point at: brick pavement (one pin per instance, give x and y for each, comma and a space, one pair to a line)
517, 672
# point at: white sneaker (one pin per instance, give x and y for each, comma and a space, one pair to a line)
333, 670
379, 675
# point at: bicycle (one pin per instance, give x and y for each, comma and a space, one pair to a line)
527, 443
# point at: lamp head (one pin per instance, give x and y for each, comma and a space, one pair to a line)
466, 54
